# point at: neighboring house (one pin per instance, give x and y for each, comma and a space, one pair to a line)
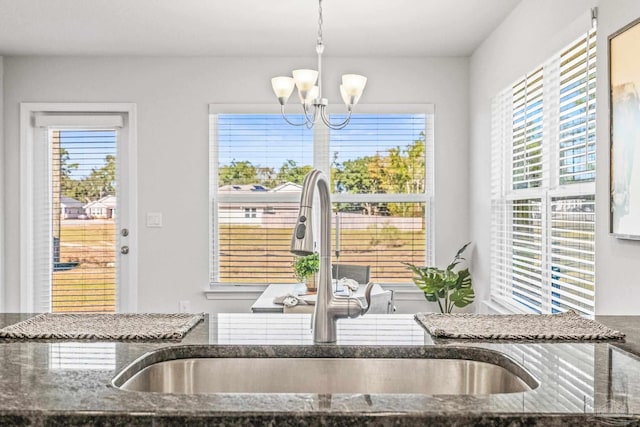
288, 187
104, 208
242, 188
71, 208
257, 213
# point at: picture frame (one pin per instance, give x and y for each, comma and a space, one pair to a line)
624, 110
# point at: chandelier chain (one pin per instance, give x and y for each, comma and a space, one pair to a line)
320, 21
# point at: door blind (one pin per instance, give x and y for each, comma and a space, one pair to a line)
82, 213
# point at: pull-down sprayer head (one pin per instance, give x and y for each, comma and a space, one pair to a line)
302, 239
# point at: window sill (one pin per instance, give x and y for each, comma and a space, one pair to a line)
496, 305
217, 291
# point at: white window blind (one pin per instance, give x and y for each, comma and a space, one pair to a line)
543, 185
383, 185
258, 163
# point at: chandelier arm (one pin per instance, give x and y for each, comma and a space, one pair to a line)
314, 116
284, 116
335, 126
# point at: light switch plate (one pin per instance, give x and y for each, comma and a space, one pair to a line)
154, 219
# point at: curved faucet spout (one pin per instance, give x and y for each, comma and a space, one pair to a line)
329, 307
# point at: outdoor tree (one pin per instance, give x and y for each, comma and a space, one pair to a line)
359, 176
404, 173
68, 185
291, 172
398, 170
242, 172
99, 183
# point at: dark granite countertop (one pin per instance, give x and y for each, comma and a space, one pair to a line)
69, 383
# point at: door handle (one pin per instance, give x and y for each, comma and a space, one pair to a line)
124, 250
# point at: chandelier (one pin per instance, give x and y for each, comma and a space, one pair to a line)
310, 93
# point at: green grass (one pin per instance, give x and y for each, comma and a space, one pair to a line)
92, 285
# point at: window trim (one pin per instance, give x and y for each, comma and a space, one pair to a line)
321, 160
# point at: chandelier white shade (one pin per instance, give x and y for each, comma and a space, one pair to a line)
309, 85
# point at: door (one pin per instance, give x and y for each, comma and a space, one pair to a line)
81, 215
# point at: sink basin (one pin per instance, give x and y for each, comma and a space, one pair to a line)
451, 371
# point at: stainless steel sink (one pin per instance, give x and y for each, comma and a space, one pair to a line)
461, 373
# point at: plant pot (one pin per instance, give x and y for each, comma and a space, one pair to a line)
311, 283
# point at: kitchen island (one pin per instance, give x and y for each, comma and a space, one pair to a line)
69, 383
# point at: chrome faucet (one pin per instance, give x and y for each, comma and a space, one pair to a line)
329, 307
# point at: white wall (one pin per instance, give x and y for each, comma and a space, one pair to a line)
534, 31
2, 211
617, 278
172, 95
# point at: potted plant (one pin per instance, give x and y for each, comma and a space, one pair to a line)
447, 287
305, 269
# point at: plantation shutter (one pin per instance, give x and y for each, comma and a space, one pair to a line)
572, 230
527, 159
573, 257
528, 277
577, 121
73, 267
543, 161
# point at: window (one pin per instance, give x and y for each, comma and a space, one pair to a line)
380, 168
543, 185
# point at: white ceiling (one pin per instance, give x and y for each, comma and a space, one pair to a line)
247, 27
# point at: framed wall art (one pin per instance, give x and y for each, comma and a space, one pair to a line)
624, 103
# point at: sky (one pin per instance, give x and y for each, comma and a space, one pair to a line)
267, 140
88, 149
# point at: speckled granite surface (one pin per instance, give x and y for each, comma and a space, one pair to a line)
68, 383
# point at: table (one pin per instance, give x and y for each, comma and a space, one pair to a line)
264, 303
